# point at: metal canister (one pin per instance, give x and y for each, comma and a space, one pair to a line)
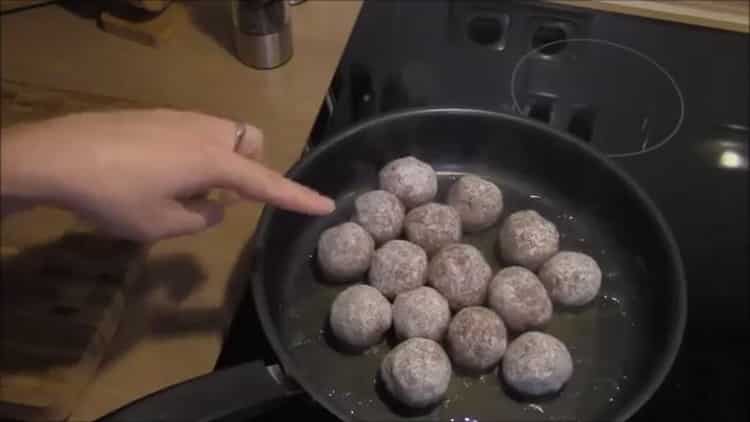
262, 32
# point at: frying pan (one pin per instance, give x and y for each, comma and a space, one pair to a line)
623, 343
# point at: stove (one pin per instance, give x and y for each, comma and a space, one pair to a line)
668, 102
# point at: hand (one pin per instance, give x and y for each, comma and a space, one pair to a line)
142, 175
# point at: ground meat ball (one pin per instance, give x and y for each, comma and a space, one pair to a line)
537, 364
571, 278
460, 273
518, 296
360, 316
528, 239
398, 266
416, 372
421, 313
413, 181
381, 214
433, 226
478, 202
344, 252
476, 339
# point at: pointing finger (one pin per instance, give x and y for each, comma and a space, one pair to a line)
254, 181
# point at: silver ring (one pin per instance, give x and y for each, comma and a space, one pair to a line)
239, 134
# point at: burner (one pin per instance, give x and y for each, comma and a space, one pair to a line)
634, 101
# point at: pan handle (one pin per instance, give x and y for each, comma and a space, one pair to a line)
237, 393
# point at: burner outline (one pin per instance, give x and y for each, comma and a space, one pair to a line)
680, 120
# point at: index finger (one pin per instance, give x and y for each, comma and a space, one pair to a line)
254, 181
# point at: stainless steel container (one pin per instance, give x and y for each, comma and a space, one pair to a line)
262, 32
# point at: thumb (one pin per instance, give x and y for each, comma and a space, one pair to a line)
192, 216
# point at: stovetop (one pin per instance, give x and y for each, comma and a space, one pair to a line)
668, 102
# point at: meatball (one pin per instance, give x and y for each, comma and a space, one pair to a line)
433, 226
344, 252
478, 202
517, 295
360, 316
398, 266
381, 214
476, 339
460, 273
537, 364
413, 181
416, 372
571, 278
528, 239
421, 313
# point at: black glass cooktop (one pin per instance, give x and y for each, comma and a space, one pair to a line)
668, 102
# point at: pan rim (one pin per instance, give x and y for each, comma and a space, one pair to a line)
665, 362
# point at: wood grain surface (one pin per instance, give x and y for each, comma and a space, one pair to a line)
724, 14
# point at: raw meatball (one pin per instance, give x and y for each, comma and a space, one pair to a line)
381, 214
433, 226
360, 316
517, 295
421, 313
476, 338
460, 273
344, 252
528, 239
398, 266
416, 372
478, 202
571, 278
537, 364
413, 181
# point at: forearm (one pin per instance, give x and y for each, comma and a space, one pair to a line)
24, 181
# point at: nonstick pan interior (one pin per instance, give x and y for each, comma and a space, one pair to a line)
622, 344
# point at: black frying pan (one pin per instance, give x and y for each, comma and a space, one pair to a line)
623, 344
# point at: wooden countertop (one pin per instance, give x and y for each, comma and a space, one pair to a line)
730, 15
173, 327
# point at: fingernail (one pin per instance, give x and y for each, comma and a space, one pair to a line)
328, 204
